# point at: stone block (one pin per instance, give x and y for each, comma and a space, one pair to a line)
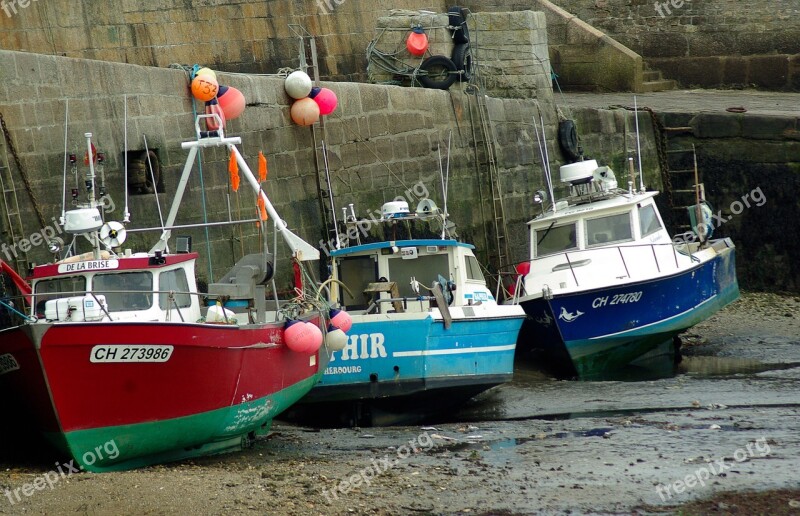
769, 71
712, 125
373, 98
759, 127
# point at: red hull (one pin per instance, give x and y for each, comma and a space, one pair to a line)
210, 367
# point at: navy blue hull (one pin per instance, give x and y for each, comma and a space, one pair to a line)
587, 334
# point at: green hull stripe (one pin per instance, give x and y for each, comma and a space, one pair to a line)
223, 430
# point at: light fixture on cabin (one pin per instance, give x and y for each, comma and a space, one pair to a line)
183, 244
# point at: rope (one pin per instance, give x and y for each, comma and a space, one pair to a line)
14, 310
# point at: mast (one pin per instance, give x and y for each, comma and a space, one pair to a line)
301, 249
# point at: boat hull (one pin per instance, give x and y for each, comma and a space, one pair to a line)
591, 333
218, 386
398, 361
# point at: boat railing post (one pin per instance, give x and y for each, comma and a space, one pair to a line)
655, 257
675, 254
103, 308
619, 248
574, 276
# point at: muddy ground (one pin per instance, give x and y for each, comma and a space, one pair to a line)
718, 434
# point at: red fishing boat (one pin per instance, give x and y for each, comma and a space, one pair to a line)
120, 365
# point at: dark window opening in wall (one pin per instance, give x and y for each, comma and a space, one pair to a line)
144, 172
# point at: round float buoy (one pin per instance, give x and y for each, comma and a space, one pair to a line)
298, 336
305, 112
231, 101
336, 339
204, 88
326, 100
206, 71
298, 85
315, 339
417, 42
341, 320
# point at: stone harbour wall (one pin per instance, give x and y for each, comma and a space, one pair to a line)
382, 140
705, 43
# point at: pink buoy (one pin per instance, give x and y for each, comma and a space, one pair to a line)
305, 112
315, 338
326, 100
298, 336
231, 101
341, 320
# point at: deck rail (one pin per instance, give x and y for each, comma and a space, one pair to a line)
584, 258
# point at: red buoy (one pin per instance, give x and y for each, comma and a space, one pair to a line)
417, 42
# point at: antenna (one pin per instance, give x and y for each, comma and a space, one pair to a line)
638, 143
447, 178
153, 179
64, 183
330, 194
126, 215
545, 159
444, 188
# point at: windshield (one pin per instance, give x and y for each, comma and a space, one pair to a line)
125, 291
555, 240
56, 288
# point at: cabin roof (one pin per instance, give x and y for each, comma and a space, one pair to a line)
579, 211
356, 249
121, 263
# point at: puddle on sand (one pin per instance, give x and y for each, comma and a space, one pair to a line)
517, 441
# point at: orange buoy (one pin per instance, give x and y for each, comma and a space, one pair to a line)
204, 87
417, 42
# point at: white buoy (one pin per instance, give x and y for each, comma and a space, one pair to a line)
298, 85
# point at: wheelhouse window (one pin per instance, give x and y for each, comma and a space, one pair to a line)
174, 280
125, 291
608, 230
56, 288
425, 268
556, 239
474, 269
357, 273
648, 220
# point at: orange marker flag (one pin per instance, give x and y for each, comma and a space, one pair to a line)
262, 208
262, 167
233, 168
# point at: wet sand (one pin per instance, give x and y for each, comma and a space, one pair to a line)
726, 420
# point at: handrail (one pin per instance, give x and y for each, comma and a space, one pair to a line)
682, 248
404, 300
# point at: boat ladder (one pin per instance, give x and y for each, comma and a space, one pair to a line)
485, 153
12, 229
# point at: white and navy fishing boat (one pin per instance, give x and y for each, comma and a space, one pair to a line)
607, 284
426, 331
